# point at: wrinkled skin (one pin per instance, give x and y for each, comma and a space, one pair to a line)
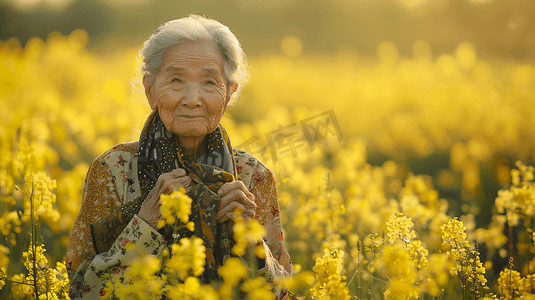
191, 94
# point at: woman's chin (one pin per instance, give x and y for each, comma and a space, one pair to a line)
191, 130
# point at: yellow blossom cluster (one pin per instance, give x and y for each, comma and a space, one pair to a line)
257, 288
232, 272
330, 283
467, 261
42, 281
4, 261
510, 284
175, 274
402, 272
175, 206
400, 227
187, 256
418, 253
192, 289
248, 233
139, 281
28, 201
405, 260
43, 198
519, 199
454, 234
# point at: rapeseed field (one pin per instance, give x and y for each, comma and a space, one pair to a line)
397, 177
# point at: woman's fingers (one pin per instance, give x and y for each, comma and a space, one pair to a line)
235, 195
229, 186
150, 209
227, 213
247, 200
235, 190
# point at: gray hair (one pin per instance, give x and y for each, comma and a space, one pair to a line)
197, 28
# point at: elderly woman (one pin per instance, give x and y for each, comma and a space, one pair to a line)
193, 68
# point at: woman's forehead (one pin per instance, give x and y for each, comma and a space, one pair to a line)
184, 57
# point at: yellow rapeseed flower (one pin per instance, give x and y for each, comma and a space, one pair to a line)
257, 289
175, 206
4, 261
330, 284
453, 234
232, 271
188, 255
418, 253
400, 227
510, 283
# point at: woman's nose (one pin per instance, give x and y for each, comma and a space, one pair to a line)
192, 98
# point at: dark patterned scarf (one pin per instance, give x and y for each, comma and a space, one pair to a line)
159, 153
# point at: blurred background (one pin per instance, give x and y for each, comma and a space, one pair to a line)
497, 28
436, 97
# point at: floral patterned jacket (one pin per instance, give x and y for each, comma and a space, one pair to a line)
112, 181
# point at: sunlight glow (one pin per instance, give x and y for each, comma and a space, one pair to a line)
30, 4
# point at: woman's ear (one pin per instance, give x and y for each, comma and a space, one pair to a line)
147, 84
234, 88
231, 91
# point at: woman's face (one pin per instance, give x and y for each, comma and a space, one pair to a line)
190, 90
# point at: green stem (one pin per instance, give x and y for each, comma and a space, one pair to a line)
510, 285
371, 277
358, 269
34, 258
464, 288
510, 240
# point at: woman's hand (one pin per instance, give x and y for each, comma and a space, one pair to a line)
235, 195
166, 184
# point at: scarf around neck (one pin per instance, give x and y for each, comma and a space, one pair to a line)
160, 152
